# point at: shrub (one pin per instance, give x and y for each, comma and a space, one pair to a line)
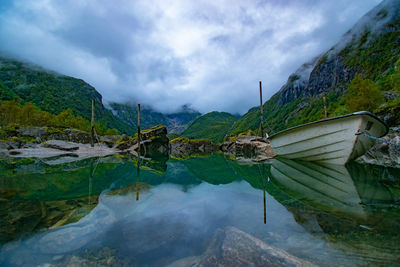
363, 94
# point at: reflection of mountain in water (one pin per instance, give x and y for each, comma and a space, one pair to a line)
36, 194
335, 210
350, 204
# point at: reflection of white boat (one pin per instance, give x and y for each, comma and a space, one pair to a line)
334, 140
342, 190
326, 187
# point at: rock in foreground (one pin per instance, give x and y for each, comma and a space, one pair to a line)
233, 247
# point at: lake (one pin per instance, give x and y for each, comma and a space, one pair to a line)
168, 211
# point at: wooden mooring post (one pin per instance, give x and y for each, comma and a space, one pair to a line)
92, 125
138, 130
138, 162
261, 113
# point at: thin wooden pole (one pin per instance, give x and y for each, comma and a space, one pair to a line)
326, 114
138, 129
90, 182
92, 124
138, 164
265, 201
261, 112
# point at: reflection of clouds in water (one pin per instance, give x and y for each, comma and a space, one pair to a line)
166, 204
165, 219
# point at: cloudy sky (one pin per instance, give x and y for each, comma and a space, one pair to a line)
207, 53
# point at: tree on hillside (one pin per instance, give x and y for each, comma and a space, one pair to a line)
9, 112
363, 94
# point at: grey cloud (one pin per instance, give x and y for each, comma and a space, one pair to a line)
210, 54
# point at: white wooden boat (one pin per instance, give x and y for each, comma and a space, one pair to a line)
335, 140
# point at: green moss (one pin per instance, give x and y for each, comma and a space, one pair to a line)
157, 127
53, 130
180, 140
248, 133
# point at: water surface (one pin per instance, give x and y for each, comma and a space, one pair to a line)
108, 211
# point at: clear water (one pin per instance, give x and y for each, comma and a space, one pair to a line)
106, 211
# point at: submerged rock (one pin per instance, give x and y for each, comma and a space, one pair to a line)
233, 247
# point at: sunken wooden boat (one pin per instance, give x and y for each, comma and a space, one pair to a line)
335, 140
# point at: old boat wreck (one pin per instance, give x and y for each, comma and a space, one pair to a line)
334, 140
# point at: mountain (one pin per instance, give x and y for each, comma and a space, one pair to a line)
367, 55
53, 92
212, 126
175, 122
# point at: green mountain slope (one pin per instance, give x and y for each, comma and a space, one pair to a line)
53, 92
212, 126
369, 52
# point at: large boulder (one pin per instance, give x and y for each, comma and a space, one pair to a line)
61, 145
383, 153
109, 140
32, 131
233, 247
154, 142
249, 147
78, 136
124, 144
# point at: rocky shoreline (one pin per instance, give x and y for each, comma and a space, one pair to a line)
44, 142
382, 153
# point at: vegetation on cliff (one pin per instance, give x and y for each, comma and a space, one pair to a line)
53, 92
11, 113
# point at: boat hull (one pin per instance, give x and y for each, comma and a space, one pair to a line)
334, 141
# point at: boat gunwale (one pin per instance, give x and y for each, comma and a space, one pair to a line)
333, 118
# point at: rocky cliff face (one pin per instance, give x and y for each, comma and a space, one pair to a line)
371, 48
296, 83
332, 70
